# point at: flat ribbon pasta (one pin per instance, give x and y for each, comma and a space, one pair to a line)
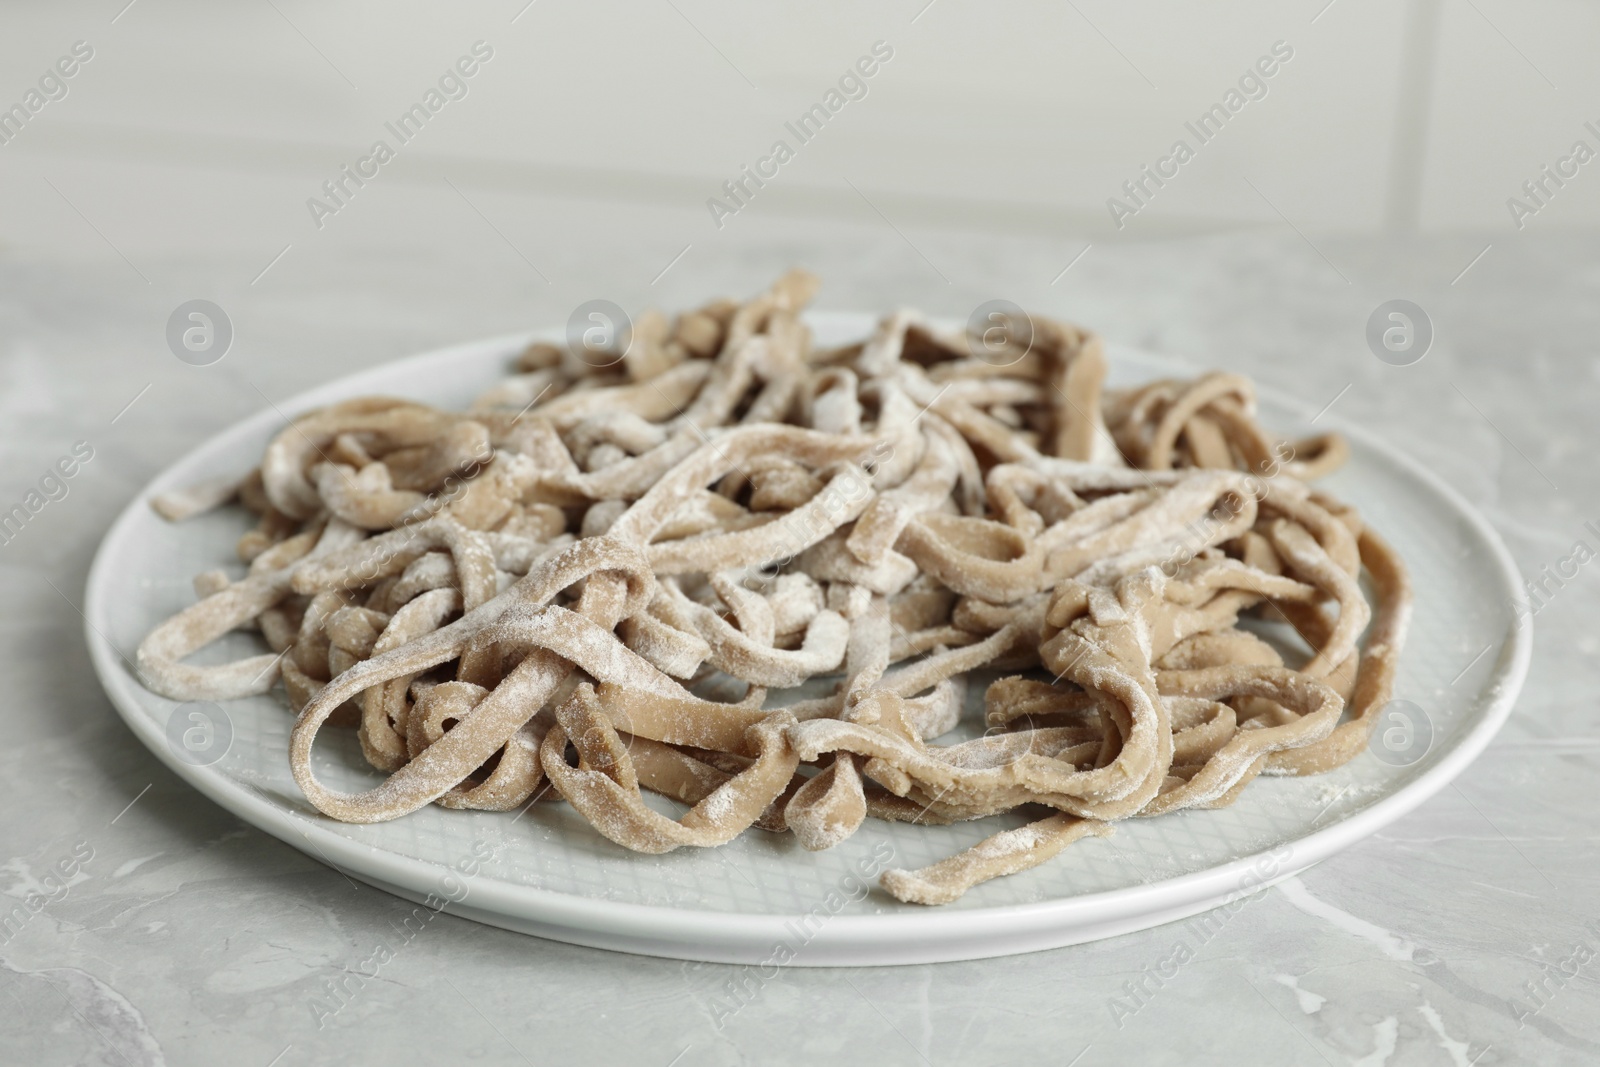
606, 577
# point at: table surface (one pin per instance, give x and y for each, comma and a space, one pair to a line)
1462, 934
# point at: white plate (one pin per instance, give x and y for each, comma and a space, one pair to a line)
549, 874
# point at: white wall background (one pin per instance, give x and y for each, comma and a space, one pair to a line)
200, 127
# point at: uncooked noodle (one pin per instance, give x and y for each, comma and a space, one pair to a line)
602, 580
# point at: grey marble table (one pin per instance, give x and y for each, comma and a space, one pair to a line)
1462, 934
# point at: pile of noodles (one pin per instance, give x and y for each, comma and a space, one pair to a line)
602, 577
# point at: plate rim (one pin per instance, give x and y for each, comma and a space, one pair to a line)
895, 937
